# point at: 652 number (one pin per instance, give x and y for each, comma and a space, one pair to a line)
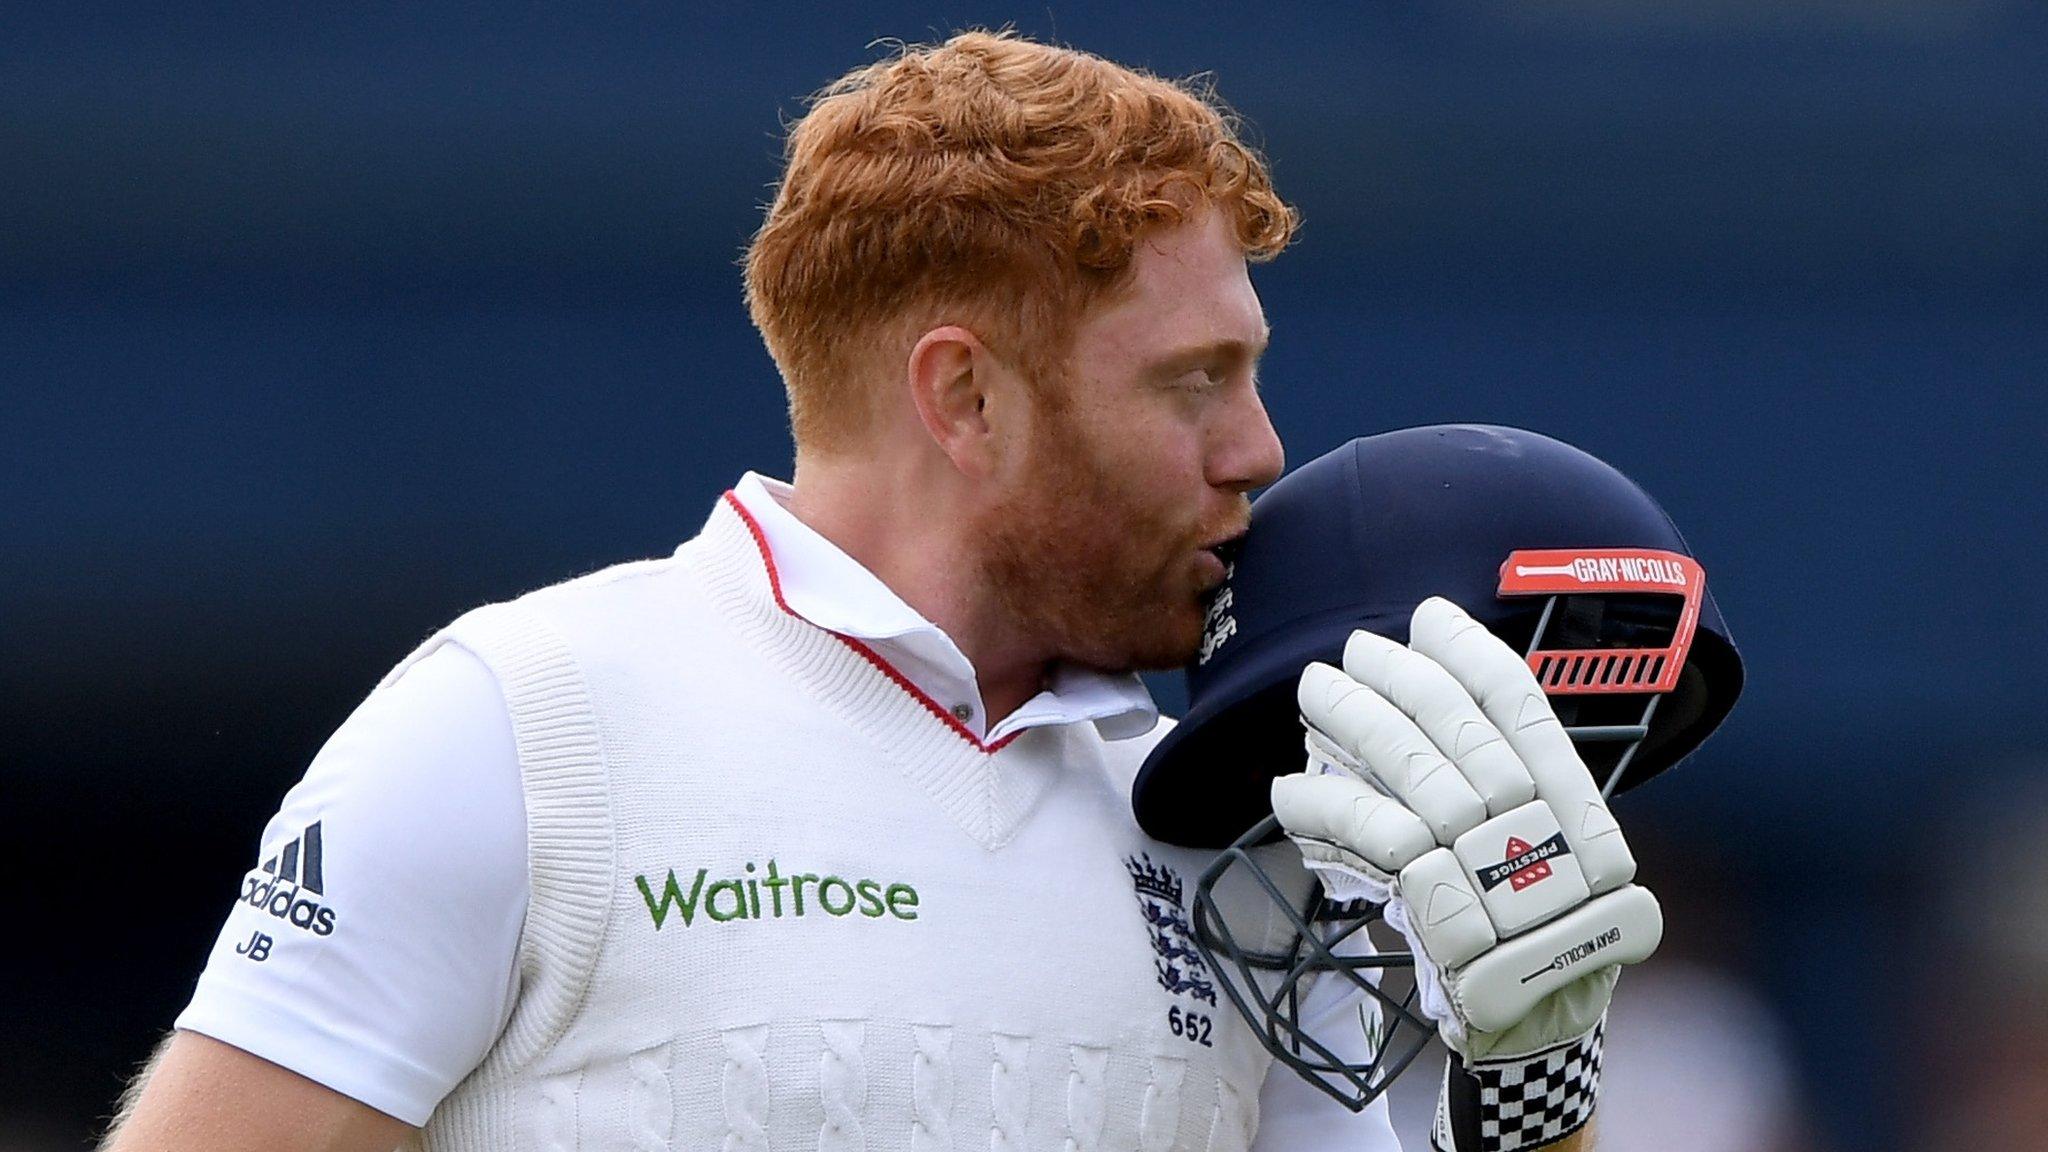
1190, 1026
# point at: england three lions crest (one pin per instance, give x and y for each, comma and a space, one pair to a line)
1162, 900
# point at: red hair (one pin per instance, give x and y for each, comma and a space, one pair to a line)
989, 181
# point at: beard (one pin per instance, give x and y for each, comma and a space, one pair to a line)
1083, 557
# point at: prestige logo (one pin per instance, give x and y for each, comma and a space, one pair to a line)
740, 897
1525, 865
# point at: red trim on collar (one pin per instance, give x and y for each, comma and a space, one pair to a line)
861, 649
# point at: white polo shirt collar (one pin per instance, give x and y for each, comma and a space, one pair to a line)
830, 589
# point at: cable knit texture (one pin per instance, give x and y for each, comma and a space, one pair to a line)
931, 1088
1159, 1117
743, 1090
654, 1103
778, 905
1087, 1086
843, 1086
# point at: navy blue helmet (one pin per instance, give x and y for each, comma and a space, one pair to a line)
1557, 553
1358, 537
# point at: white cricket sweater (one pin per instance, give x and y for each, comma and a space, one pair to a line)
778, 902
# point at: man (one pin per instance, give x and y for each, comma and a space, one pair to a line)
817, 832
1459, 764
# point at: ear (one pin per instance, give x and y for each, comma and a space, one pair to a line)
956, 386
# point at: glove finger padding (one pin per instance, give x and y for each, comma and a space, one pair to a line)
1354, 838
1391, 749
1507, 694
1352, 814
1448, 924
1430, 696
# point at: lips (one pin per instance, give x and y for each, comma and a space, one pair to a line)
1216, 565
1226, 548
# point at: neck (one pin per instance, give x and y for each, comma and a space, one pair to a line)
905, 526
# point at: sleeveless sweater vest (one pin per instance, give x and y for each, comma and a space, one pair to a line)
779, 904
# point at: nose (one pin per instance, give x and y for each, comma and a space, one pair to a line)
1247, 451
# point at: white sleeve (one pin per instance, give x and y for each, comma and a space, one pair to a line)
1296, 1116
374, 945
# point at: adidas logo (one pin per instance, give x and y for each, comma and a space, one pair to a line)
285, 885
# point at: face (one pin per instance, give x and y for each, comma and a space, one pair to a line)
1105, 540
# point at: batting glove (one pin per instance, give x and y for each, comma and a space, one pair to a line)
1441, 785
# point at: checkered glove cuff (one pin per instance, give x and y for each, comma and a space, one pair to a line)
1506, 1106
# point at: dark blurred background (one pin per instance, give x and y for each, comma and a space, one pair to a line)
315, 332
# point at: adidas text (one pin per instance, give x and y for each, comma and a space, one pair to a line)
285, 884
288, 903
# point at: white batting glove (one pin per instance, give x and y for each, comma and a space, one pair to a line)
1441, 785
